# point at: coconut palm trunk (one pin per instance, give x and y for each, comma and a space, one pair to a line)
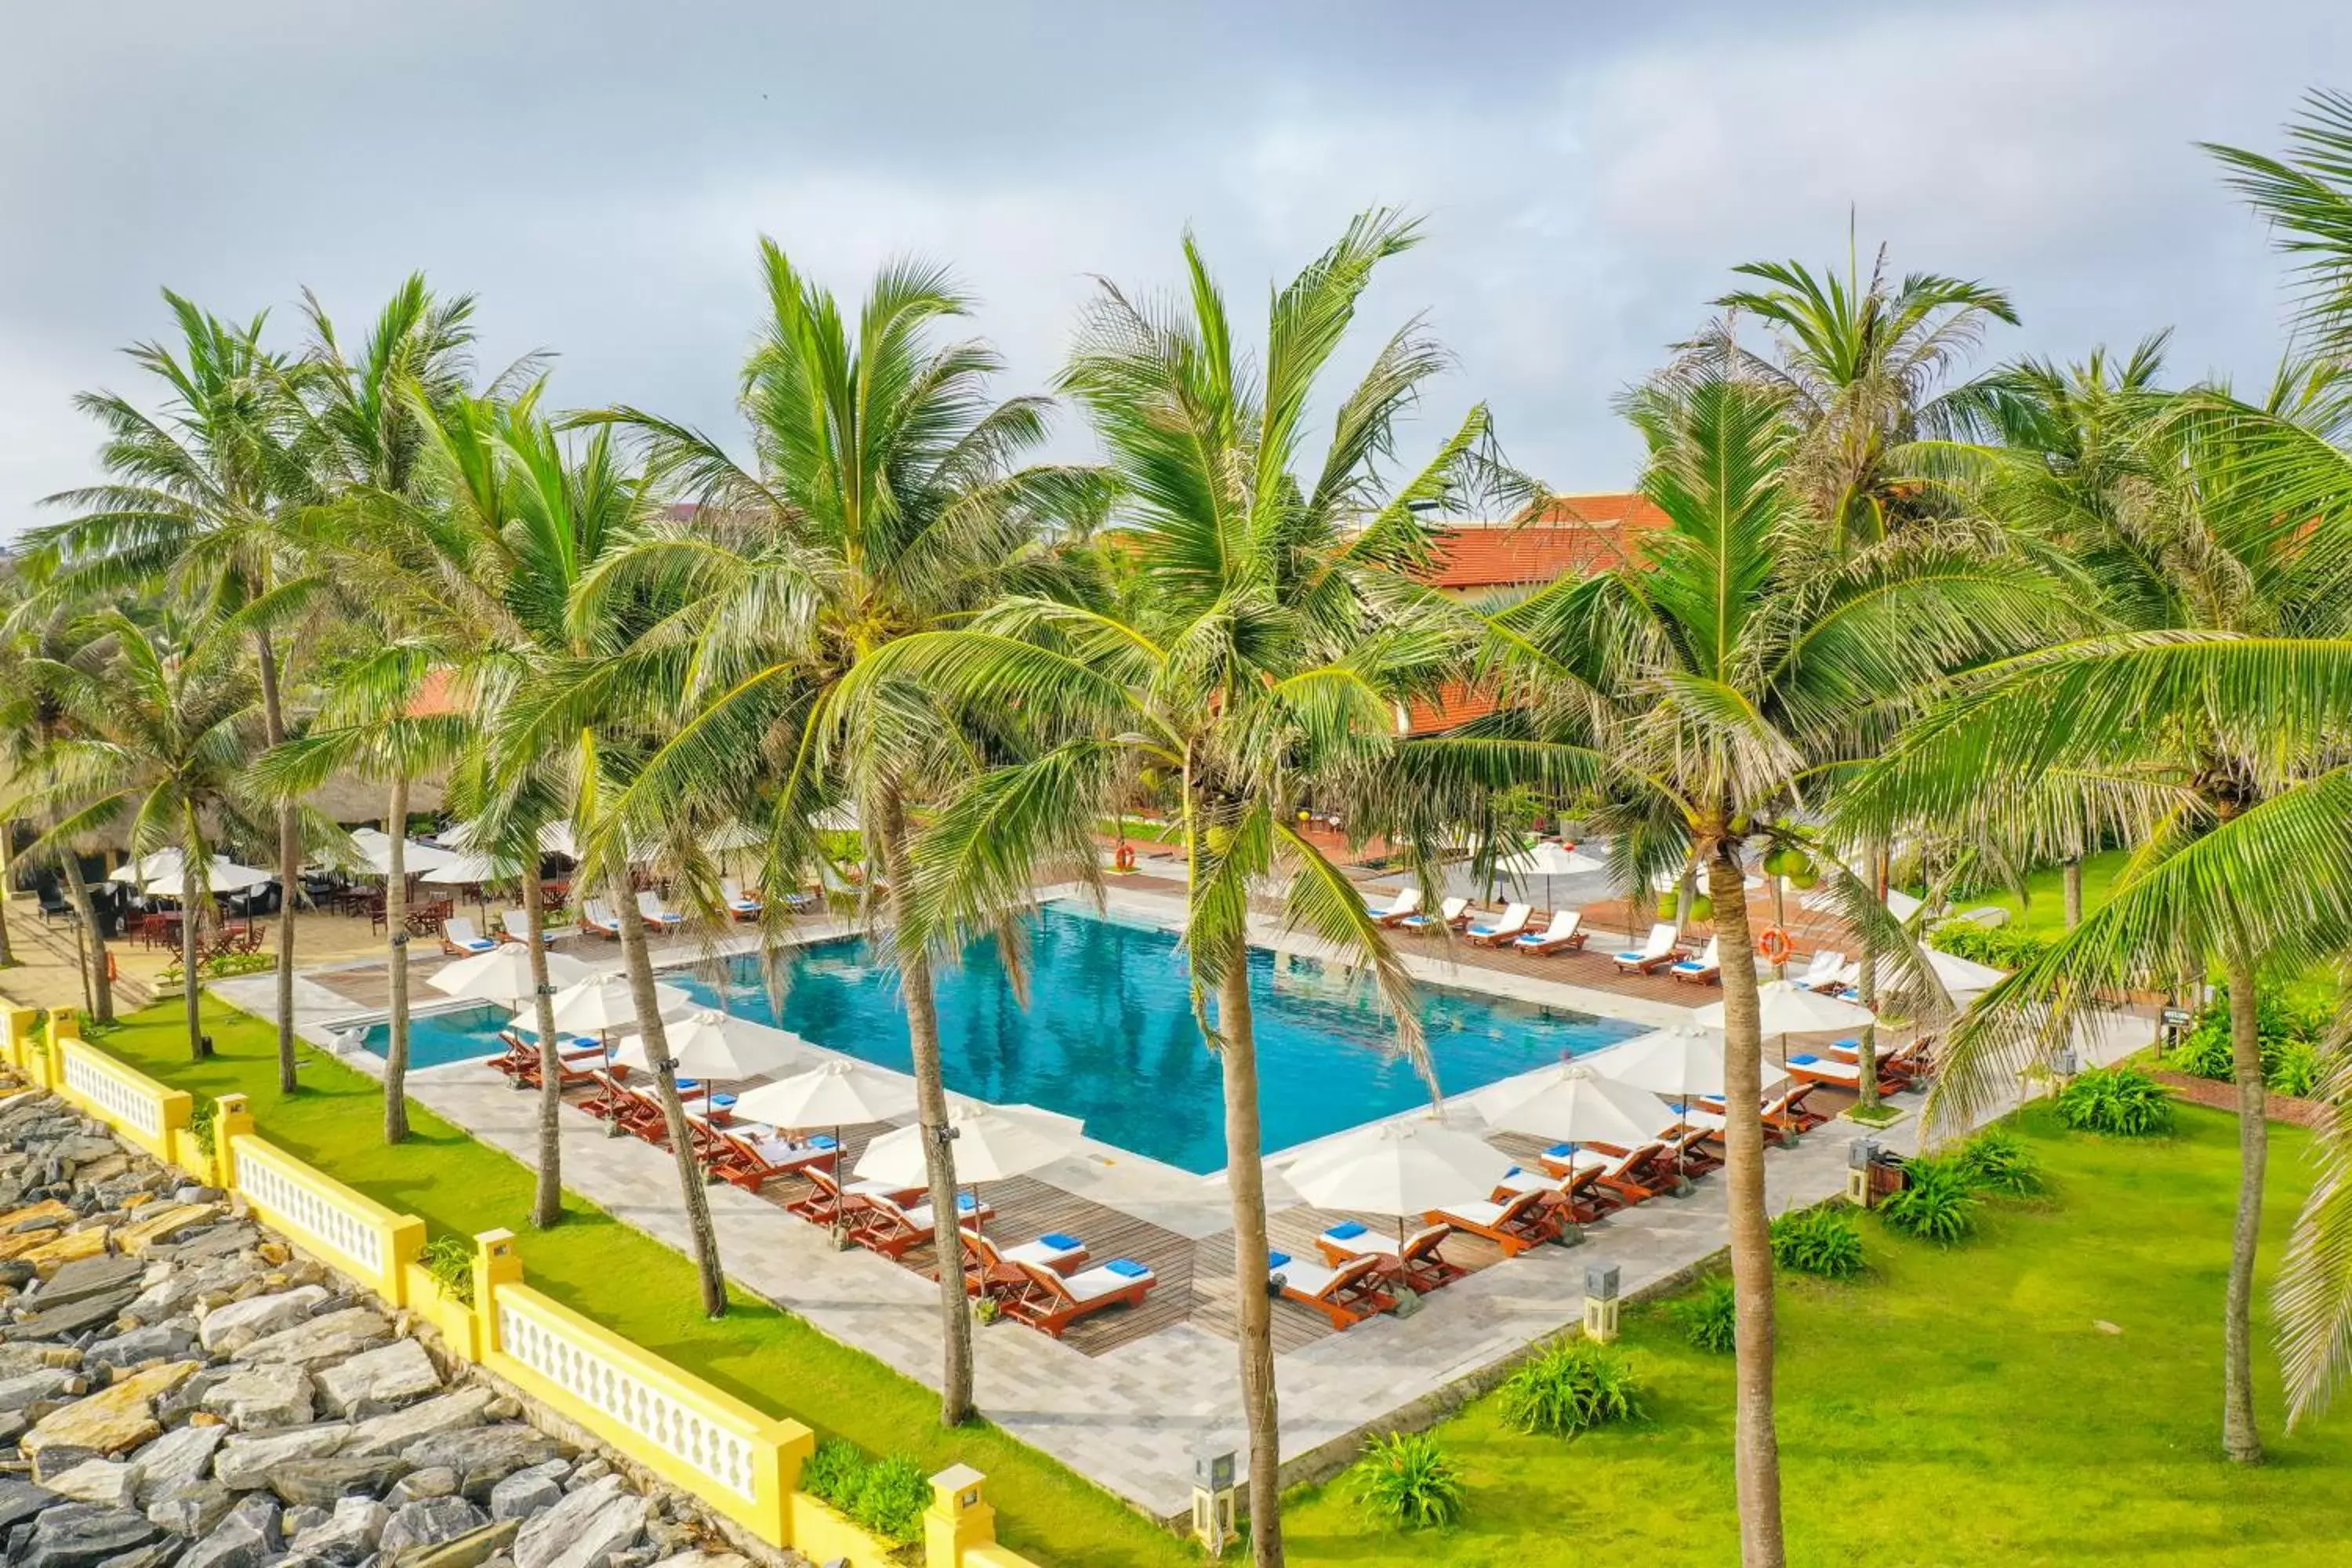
289, 861
7, 850
1866, 1052
194, 864
1246, 1179
1757, 1446
707, 1270
395, 926
101, 988
931, 1111
547, 1194
2242, 1440
2071, 880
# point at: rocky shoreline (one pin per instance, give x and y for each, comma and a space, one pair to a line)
178, 1389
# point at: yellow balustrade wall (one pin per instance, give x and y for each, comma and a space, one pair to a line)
739, 1461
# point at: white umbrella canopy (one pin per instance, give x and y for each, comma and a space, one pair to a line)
1789, 1009
593, 1007
1400, 1168
503, 974
1551, 859
1575, 1103
466, 868
159, 874
834, 1094
375, 852
1683, 1061
1963, 977
992, 1142
706, 1044
839, 819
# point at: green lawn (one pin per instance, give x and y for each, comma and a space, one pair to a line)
2044, 912
1954, 1407
640, 1288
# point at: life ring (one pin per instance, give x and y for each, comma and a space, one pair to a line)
113, 970
1774, 945
1124, 857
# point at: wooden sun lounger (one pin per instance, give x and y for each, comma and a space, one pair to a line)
751, 1158
1575, 1195
1418, 1262
1785, 1112
1651, 956
992, 1270
1053, 1303
576, 1065
1566, 933
886, 1227
1525, 1221
1347, 1295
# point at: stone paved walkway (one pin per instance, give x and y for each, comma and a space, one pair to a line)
1129, 1416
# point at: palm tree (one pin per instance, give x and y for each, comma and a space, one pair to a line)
1727, 682
371, 722
162, 730
2215, 713
1864, 368
2307, 196
882, 500
1262, 664
196, 498
41, 643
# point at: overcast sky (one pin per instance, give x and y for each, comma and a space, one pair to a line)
598, 173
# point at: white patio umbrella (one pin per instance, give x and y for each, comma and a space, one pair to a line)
991, 1144
1574, 1102
840, 819
375, 853
833, 1094
503, 975
159, 874
1963, 977
1684, 1061
598, 1007
1400, 1168
1549, 859
1788, 1008
708, 1045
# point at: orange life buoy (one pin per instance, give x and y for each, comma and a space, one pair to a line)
113, 970
1773, 945
1125, 856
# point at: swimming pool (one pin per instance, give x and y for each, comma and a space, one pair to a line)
1109, 1034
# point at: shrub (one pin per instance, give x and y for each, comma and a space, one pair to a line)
450, 1260
831, 1473
891, 1496
1937, 1203
1998, 1161
202, 1122
1570, 1387
2121, 1101
2004, 947
1407, 1480
2291, 1037
1710, 1315
1822, 1240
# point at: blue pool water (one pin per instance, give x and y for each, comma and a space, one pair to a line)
1107, 1035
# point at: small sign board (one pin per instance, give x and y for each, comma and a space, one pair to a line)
2177, 1017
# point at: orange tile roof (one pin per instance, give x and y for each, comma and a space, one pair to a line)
1569, 535
1454, 705
433, 699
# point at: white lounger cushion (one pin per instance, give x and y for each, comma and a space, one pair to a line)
1038, 1253
1101, 1280
1304, 1276
1482, 1212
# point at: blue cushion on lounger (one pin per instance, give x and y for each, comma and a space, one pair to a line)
1689, 966
967, 1203
1848, 1045
822, 1141
1509, 1173
1481, 930
687, 1083
1560, 1152
1276, 1259
1346, 1230
722, 1100
1061, 1242
1806, 1061
1127, 1268
1632, 957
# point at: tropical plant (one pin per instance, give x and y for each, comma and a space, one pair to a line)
41, 645
2119, 1101
1709, 1316
1407, 1480
450, 1260
1572, 1386
1736, 671
891, 1497
1998, 1161
2307, 194
1937, 1203
2290, 1036
1824, 1241
162, 725
2002, 947
1264, 669
197, 497
2205, 730
1864, 368
883, 500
